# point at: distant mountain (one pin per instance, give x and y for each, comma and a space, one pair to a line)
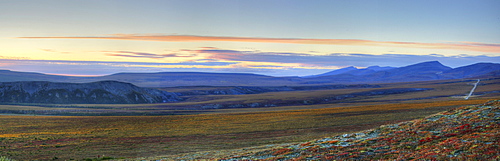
379, 68
162, 79
417, 72
353, 71
335, 72
474, 70
96, 92
170, 79
425, 71
12, 76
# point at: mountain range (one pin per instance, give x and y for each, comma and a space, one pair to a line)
425, 71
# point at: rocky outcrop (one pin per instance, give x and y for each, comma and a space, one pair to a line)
105, 92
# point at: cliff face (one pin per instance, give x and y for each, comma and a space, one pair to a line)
106, 92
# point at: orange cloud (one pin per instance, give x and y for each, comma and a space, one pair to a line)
467, 46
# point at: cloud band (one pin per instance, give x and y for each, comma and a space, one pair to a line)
467, 46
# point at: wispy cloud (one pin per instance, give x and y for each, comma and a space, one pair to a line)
13, 58
55, 51
335, 60
211, 59
66, 67
467, 46
220, 60
144, 55
288, 60
238, 59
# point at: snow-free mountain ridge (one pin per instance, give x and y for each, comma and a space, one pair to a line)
353, 71
432, 70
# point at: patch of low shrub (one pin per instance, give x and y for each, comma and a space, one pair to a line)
4, 158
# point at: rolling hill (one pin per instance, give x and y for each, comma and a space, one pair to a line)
97, 92
171, 79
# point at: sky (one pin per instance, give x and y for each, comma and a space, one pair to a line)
269, 37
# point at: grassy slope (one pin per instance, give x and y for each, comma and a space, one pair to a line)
77, 137
465, 133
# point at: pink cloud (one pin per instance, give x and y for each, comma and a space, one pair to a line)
467, 46
142, 55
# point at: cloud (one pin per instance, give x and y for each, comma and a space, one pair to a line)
99, 67
466, 46
55, 51
144, 55
220, 60
335, 60
14, 58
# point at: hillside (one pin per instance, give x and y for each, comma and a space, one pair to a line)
74, 93
465, 133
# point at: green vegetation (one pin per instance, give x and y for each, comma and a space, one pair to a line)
3, 158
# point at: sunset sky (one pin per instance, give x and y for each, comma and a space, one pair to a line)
270, 37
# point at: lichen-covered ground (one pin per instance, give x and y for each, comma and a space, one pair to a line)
465, 133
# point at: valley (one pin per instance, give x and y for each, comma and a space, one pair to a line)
44, 120
204, 100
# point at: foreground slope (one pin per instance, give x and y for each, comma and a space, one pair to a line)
78, 137
465, 133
